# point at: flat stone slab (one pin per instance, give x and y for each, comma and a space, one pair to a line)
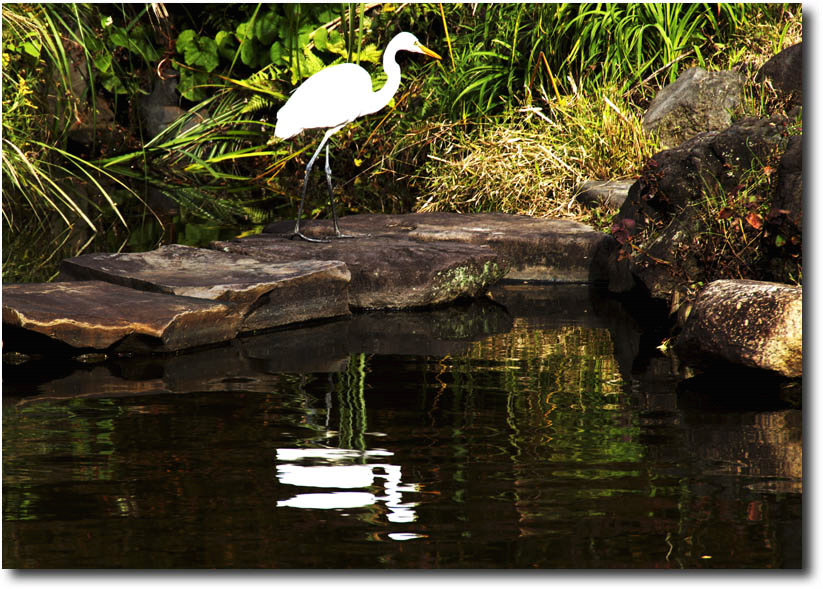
533, 249
266, 294
387, 271
100, 315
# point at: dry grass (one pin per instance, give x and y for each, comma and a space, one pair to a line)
532, 161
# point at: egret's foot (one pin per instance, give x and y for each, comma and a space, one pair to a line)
340, 235
299, 235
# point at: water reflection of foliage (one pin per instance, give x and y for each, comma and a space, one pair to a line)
350, 389
564, 392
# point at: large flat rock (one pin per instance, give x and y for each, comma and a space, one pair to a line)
266, 294
534, 249
100, 315
388, 271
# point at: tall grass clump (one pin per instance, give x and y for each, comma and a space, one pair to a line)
531, 161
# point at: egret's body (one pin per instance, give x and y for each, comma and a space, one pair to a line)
333, 98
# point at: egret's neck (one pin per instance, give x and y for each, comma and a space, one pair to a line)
382, 97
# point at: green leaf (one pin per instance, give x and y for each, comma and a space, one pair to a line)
780, 241
197, 50
185, 39
265, 28
321, 39
226, 45
120, 37
32, 48
276, 54
244, 31
248, 52
190, 86
336, 43
114, 85
371, 53
102, 61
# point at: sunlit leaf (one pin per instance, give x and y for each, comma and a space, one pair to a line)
755, 220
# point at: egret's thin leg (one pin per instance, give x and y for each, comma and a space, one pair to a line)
337, 232
297, 232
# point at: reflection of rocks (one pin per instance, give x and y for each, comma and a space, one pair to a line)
437, 332
248, 363
761, 444
737, 418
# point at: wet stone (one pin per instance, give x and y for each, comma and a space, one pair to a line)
266, 294
99, 315
388, 272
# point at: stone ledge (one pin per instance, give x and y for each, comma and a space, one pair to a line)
96, 314
529, 248
267, 295
388, 272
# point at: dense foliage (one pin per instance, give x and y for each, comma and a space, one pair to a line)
87, 162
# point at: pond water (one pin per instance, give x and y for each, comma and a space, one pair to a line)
532, 431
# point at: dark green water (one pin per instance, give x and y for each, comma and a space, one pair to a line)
534, 433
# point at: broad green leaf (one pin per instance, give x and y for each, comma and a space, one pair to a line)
265, 28
244, 31
321, 39
201, 51
102, 61
276, 54
185, 39
226, 45
190, 85
248, 52
32, 48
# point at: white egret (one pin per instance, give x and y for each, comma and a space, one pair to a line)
333, 98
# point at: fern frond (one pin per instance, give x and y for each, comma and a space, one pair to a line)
259, 102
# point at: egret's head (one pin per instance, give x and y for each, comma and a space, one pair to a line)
408, 42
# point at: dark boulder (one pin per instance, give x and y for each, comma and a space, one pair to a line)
784, 72
666, 220
784, 222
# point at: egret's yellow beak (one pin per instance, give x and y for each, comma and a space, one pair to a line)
427, 51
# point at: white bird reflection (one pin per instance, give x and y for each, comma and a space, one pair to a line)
332, 472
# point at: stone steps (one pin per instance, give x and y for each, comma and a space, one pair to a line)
178, 296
